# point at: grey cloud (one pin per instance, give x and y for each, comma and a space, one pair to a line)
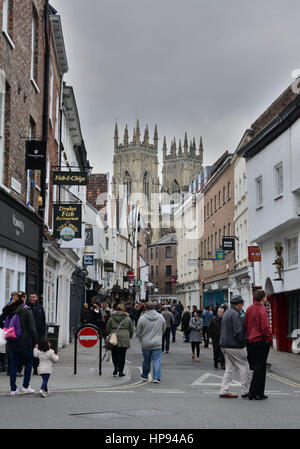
205, 67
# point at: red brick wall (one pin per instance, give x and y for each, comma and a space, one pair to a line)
215, 221
159, 261
23, 101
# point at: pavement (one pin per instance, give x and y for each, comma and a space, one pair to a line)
281, 364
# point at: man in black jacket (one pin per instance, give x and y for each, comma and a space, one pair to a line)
214, 330
40, 322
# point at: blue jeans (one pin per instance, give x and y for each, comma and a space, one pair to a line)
45, 378
15, 358
155, 355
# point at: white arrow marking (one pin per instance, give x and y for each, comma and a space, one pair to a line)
202, 381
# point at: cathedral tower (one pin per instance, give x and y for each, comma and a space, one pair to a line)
181, 166
135, 171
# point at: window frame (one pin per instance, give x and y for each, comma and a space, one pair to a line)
259, 191
277, 169
288, 257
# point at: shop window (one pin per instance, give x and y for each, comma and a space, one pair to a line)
294, 311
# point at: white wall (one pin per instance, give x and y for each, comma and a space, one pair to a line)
274, 211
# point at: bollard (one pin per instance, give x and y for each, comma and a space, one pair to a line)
89, 343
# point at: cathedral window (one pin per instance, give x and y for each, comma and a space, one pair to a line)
146, 185
128, 183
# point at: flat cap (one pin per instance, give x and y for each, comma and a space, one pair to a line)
237, 300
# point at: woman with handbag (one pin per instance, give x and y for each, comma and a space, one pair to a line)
119, 323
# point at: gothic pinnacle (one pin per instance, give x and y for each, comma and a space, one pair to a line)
138, 134
185, 144
126, 136
116, 136
155, 138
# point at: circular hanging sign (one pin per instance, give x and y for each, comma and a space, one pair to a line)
67, 234
88, 337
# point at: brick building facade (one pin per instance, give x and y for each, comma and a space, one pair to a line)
22, 94
22, 69
218, 222
163, 267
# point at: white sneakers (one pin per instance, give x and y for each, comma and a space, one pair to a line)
28, 390
23, 390
43, 393
14, 393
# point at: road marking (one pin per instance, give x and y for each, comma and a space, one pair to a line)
283, 380
202, 380
165, 391
114, 391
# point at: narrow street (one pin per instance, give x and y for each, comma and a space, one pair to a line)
187, 398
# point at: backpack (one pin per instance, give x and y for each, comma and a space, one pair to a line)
12, 329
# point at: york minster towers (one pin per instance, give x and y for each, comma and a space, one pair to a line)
135, 167
136, 171
181, 166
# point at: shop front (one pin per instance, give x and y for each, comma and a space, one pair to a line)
285, 318
215, 292
20, 248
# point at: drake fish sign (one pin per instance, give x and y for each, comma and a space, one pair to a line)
67, 221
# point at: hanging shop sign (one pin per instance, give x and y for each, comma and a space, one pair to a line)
67, 221
220, 255
108, 267
62, 178
254, 254
35, 155
89, 237
88, 260
228, 243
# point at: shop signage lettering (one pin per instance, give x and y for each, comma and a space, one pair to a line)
228, 243
88, 260
69, 178
108, 267
67, 221
18, 224
254, 254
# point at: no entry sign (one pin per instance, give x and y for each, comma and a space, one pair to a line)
88, 337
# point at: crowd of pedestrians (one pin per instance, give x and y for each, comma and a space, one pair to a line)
240, 341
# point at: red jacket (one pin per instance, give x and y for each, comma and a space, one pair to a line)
257, 323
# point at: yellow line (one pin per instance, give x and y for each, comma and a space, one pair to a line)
285, 381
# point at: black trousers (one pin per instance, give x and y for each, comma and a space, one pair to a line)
196, 345
257, 357
118, 357
205, 336
166, 339
218, 354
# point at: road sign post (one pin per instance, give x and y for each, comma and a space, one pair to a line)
88, 336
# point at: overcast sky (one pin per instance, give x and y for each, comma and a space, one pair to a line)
205, 67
